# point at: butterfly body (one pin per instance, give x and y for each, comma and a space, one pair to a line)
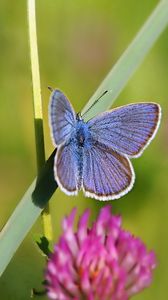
94, 155
79, 140
82, 134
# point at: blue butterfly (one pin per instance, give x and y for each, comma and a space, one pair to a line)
94, 155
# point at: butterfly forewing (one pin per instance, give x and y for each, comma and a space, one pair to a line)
61, 117
127, 129
106, 173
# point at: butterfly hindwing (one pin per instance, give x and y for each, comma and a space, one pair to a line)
61, 117
65, 169
107, 175
127, 129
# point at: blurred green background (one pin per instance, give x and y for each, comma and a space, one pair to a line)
78, 43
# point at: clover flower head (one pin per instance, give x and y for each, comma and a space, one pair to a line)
101, 262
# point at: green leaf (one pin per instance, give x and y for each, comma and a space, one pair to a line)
26, 213
41, 190
43, 245
134, 55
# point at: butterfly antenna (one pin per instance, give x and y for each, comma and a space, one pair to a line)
93, 104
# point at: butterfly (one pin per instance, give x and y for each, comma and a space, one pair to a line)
95, 155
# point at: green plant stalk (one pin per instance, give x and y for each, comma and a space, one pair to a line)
38, 116
134, 55
26, 213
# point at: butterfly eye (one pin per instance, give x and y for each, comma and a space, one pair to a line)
78, 116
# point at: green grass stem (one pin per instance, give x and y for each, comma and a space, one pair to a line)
38, 115
128, 63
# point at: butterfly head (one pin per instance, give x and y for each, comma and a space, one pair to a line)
79, 116
82, 134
